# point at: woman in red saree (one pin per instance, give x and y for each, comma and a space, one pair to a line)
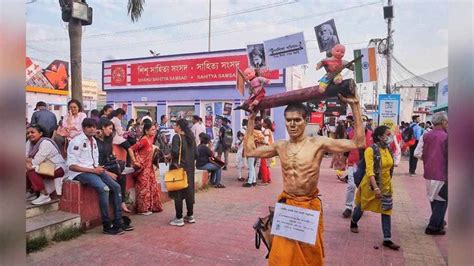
146, 187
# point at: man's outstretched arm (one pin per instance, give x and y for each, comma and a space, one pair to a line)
250, 149
358, 142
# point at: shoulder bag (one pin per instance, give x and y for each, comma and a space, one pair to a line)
216, 161
177, 179
262, 229
46, 168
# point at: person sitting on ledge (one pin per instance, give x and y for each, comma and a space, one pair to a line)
40, 149
83, 162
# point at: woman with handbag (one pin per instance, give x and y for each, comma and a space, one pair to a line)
44, 162
146, 186
183, 155
375, 190
206, 161
107, 158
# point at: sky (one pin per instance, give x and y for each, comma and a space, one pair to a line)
173, 27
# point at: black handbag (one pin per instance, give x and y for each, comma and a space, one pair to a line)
263, 228
114, 166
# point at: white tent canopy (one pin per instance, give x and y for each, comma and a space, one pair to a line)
424, 81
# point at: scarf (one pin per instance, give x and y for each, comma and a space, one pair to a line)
382, 144
35, 148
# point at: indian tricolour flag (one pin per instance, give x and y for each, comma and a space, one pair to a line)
365, 69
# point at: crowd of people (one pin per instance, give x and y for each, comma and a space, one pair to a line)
370, 169
366, 153
82, 148
86, 149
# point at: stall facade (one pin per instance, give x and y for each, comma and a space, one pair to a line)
184, 85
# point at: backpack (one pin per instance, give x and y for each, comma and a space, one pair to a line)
408, 134
361, 166
228, 137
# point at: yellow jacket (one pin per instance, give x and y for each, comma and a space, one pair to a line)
365, 196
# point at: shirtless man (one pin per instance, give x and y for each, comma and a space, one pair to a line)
300, 161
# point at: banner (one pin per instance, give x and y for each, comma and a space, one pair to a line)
317, 118
442, 97
184, 70
240, 84
389, 110
365, 70
54, 77
335, 107
286, 51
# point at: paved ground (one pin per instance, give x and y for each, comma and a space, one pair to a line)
223, 234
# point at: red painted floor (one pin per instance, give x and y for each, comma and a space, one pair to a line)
223, 234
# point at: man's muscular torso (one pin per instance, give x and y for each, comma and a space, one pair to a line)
300, 163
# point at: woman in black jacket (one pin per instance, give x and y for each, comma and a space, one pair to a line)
204, 163
185, 138
107, 159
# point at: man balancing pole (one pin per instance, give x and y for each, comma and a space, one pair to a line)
300, 162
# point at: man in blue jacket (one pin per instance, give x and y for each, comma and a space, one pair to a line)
45, 118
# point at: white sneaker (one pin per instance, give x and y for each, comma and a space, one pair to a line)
42, 199
30, 196
177, 222
146, 213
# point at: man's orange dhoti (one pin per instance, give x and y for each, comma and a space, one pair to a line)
286, 251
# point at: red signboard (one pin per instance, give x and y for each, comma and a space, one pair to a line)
317, 118
209, 70
119, 75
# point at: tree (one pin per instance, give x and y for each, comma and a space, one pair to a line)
75, 53
135, 10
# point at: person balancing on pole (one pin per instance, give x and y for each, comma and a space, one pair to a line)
301, 158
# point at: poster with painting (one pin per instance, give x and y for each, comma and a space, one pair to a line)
209, 109
218, 121
326, 35
208, 121
218, 109
210, 132
227, 109
256, 55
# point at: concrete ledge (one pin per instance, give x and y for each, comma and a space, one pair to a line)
50, 223
35, 210
83, 200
